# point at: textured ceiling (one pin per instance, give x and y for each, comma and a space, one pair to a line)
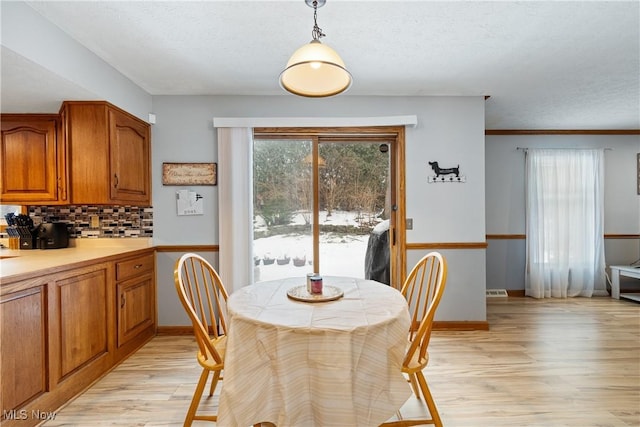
545, 65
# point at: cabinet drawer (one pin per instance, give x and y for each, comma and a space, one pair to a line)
134, 266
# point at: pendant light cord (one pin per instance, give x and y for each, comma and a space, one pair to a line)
316, 33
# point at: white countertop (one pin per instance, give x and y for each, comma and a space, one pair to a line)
18, 262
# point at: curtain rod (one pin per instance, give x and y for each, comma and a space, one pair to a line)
560, 148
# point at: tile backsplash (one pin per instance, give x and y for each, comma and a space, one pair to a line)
98, 221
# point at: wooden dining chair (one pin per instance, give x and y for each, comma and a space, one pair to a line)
423, 289
204, 297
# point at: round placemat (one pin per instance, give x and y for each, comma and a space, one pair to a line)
329, 293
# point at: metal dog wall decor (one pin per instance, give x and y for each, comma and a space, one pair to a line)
445, 174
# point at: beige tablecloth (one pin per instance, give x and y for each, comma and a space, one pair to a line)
314, 364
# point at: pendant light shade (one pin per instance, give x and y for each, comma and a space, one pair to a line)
315, 70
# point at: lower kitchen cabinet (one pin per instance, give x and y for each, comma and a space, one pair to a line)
136, 300
63, 330
23, 367
81, 304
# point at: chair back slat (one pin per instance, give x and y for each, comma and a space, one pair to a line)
423, 289
204, 297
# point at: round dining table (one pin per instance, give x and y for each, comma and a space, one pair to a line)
293, 362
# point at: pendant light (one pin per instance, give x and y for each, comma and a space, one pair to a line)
315, 70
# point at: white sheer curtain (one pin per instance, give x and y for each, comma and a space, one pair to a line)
565, 222
235, 206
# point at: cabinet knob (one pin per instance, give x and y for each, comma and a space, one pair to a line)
115, 184
122, 300
137, 266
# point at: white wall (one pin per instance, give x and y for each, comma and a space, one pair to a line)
450, 129
31, 41
505, 199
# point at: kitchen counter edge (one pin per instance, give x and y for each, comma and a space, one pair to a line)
21, 265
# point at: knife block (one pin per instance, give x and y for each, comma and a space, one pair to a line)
26, 236
28, 242
14, 243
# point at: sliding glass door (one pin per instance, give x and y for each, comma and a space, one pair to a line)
283, 206
322, 204
353, 198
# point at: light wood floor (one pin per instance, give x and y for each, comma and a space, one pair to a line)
550, 363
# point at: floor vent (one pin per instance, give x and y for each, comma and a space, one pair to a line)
497, 293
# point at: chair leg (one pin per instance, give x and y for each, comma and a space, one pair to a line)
195, 401
414, 385
429, 399
214, 382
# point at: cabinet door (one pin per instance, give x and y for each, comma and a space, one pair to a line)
130, 159
85, 129
136, 307
22, 333
82, 310
33, 161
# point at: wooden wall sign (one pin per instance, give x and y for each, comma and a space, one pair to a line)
189, 174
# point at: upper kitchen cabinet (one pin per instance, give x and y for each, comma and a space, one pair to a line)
109, 154
32, 160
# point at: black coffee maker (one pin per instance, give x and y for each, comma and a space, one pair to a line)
53, 235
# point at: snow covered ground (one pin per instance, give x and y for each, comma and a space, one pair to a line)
340, 255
